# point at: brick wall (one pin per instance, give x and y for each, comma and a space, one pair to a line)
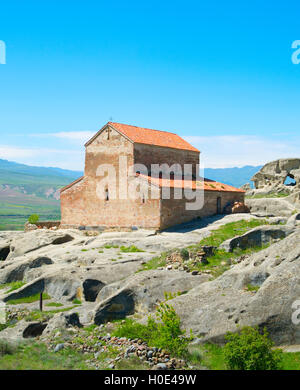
80, 205
173, 211
148, 154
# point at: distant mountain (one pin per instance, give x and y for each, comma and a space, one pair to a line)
25, 189
233, 176
37, 181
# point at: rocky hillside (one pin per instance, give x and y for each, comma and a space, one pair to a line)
25, 190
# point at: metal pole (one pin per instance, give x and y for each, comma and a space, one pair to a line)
41, 301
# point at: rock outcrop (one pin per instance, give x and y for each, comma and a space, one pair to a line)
272, 176
215, 307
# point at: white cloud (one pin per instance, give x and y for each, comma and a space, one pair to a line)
216, 151
238, 151
46, 157
76, 136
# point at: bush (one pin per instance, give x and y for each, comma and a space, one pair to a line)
184, 253
33, 218
251, 350
165, 334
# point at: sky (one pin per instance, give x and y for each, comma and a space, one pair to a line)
220, 74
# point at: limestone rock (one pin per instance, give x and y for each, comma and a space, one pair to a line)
213, 308
257, 237
272, 176
141, 292
271, 207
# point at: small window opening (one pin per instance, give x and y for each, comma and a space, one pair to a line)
290, 180
106, 194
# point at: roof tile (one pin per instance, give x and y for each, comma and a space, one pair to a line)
153, 137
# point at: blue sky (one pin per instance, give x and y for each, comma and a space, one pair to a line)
218, 73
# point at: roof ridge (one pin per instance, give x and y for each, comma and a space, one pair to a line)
145, 128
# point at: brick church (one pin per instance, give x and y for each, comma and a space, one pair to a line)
86, 202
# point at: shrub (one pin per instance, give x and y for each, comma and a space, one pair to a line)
184, 253
165, 334
6, 348
33, 218
251, 350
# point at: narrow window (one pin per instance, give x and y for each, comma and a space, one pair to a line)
219, 203
106, 194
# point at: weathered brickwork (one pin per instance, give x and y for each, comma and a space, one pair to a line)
150, 154
81, 204
173, 211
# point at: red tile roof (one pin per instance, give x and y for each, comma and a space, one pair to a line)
149, 137
206, 184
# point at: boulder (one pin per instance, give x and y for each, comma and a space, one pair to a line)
257, 237
213, 308
272, 176
21, 330
141, 292
239, 207
270, 207
62, 321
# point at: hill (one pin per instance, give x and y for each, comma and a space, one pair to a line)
233, 176
25, 189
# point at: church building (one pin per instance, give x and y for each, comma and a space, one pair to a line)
141, 178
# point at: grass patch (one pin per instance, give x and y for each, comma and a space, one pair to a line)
12, 286
166, 333
154, 263
54, 304
271, 195
77, 301
251, 287
32, 298
37, 357
131, 248
221, 260
230, 230
37, 315
110, 246
212, 357
207, 355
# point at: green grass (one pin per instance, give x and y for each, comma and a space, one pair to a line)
154, 263
215, 262
230, 230
37, 357
216, 238
110, 246
211, 356
37, 315
12, 286
76, 301
32, 298
207, 355
251, 287
271, 195
54, 304
131, 248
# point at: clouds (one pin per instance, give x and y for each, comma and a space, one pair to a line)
237, 151
74, 136
47, 157
66, 150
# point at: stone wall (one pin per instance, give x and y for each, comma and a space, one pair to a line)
149, 154
173, 211
81, 206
